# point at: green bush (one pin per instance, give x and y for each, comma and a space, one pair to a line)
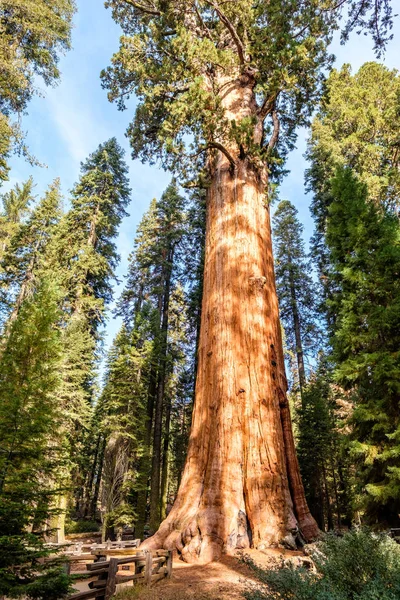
361, 565
81, 527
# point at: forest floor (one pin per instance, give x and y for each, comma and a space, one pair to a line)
223, 580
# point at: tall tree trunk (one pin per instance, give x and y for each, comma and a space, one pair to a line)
241, 484
98, 480
89, 485
165, 464
144, 464
297, 334
327, 499
157, 437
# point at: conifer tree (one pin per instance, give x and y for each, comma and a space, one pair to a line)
15, 209
26, 254
31, 445
123, 420
357, 125
296, 290
323, 450
238, 72
363, 241
84, 248
98, 204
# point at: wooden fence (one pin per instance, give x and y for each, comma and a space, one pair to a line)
148, 567
79, 548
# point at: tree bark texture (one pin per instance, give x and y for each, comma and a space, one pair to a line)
241, 484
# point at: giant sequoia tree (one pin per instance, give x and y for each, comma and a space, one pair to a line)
241, 76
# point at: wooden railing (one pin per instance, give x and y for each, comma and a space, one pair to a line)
79, 548
148, 566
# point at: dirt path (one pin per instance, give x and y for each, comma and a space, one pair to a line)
223, 580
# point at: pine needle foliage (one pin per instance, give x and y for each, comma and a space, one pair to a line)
364, 242
87, 242
31, 447
357, 125
297, 293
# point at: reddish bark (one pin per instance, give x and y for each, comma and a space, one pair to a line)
241, 484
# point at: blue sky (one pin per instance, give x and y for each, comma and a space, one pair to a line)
64, 124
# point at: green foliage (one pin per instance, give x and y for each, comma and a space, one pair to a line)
82, 526
357, 125
122, 411
296, 290
364, 244
15, 209
31, 446
361, 565
275, 48
32, 34
322, 450
26, 252
87, 250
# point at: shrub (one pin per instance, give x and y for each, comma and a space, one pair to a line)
361, 565
81, 527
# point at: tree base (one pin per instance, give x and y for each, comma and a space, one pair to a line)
198, 543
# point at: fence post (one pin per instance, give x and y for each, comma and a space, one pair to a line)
169, 564
148, 568
111, 585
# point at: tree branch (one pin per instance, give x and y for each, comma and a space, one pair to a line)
267, 106
146, 9
219, 147
222, 149
232, 31
275, 134
205, 28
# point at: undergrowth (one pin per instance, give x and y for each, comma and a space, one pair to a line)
361, 565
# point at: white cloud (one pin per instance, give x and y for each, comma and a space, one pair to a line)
75, 121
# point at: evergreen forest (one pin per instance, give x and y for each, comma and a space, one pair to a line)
200, 349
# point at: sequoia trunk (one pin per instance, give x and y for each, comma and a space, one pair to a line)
241, 484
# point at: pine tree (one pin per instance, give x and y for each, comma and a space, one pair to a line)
363, 241
123, 420
356, 126
84, 248
31, 446
323, 450
15, 209
25, 258
98, 204
296, 290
